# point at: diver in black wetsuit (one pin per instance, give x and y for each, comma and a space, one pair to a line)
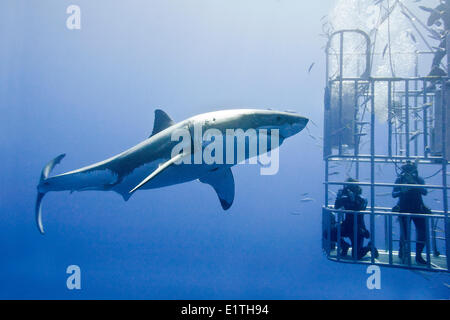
442, 11
349, 198
410, 201
333, 236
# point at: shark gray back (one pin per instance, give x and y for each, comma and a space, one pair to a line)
153, 163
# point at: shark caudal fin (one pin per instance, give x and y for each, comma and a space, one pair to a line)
41, 191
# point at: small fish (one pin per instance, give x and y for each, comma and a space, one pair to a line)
417, 116
383, 194
415, 135
435, 35
384, 50
437, 200
295, 213
332, 192
304, 194
427, 9
333, 173
412, 36
310, 67
406, 15
307, 200
314, 124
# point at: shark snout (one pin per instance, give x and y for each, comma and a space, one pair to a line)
294, 124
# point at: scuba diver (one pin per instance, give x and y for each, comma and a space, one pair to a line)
442, 11
349, 198
333, 236
410, 201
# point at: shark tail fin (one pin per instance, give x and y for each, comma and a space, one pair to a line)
44, 175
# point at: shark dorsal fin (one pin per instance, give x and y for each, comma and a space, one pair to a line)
162, 121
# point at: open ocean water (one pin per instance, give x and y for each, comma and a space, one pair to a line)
91, 93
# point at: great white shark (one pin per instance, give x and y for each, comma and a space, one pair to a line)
151, 163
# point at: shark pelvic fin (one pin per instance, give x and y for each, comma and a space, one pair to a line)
223, 183
162, 121
157, 171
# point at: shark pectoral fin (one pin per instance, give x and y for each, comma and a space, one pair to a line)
157, 171
38, 212
162, 121
223, 183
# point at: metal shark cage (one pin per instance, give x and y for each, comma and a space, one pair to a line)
416, 129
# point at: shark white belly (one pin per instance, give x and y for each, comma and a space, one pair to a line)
152, 164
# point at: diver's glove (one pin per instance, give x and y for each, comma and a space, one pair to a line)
365, 233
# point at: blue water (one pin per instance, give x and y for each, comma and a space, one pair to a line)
91, 94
